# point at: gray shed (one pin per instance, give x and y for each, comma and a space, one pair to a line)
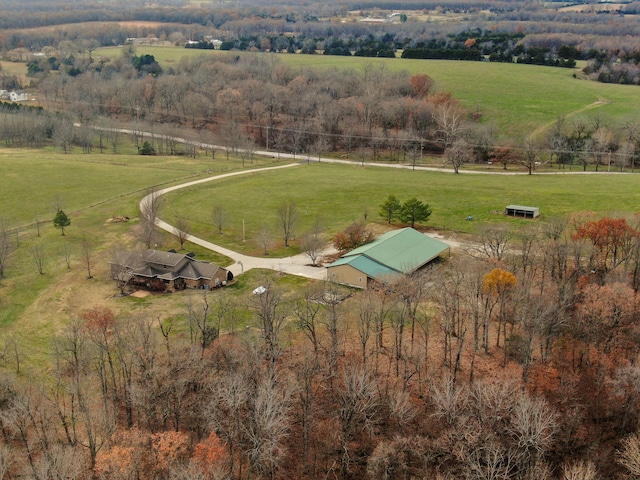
522, 211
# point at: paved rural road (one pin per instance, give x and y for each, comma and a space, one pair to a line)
314, 159
294, 265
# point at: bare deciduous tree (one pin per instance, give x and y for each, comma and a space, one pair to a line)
219, 216
629, 455
580, 470
263, 237
358, 406
312, 243
530, 156
6, 246
287, 220
267, 425
227, 412
200, 321
458, 154
182, 230
448, 117
149, 210
307, 310
492, 242
270, 311
38, 255
87, 249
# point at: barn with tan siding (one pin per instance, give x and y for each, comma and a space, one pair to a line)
391, 255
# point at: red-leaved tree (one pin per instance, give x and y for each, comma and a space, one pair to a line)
612, 238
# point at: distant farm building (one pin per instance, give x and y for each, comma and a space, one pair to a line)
166, 271
391, 255
18, 96
522, 211
14, 96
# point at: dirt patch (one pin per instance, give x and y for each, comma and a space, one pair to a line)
118, 219
140, 294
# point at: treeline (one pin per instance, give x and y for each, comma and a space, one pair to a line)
541, 31
245, 101
242, 103
512, 359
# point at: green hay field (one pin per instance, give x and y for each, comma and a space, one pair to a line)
339, 195
31, 179
515, 100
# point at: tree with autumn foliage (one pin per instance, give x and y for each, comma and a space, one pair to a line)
613, 238
421, 84
354, 236
210, 456
506, 154
498, 284
605, 316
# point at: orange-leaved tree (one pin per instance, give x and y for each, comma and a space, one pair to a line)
612, 238
170, 448
498, 284
353, 236
211, 455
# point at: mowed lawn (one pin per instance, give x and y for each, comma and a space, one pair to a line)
338, 195
514, 100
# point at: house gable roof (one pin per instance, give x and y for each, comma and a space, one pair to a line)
163, 258
403, 250
164, 265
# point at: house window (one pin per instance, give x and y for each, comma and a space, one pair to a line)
360, 279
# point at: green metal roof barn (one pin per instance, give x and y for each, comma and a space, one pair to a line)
390, 255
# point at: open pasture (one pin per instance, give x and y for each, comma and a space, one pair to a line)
31, 179
93, 188
338, 195
515, 100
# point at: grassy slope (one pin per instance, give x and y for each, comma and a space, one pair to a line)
515, 99
30, 179
95, 187
339, 195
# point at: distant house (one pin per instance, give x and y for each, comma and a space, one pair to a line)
165, 271
18, 96
391, 255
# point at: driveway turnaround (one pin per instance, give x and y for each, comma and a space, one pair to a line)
294, 265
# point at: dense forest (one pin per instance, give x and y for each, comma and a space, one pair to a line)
515, 359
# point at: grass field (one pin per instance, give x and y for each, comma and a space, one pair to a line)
515, 99
339, 195
95, 187
34, 307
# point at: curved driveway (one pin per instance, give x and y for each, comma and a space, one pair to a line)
295, 265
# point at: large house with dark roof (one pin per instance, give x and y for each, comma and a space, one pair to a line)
396, 253
161, 271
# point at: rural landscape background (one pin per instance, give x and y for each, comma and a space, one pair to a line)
515, 356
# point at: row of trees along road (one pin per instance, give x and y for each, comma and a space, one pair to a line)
245, 103
369, 115
511, 360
